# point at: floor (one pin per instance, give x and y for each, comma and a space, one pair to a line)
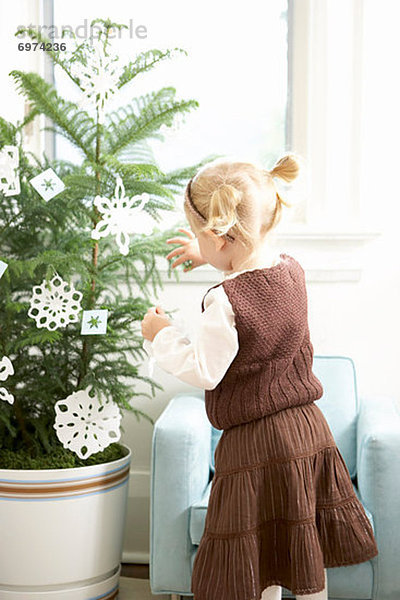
134, 583
137, 589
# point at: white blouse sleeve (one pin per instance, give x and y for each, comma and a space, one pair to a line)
203, 361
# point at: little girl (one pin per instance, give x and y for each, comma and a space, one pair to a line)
282, 507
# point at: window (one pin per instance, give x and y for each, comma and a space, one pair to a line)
236, 69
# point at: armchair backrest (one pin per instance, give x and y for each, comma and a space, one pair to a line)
339, 404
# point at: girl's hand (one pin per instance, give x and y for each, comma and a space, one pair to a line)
154, 320
189, 250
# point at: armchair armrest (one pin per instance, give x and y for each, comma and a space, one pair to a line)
378, 478
180, 471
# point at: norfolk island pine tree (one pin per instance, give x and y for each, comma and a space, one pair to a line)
39, 239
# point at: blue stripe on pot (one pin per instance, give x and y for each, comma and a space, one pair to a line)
108, 596
57, 480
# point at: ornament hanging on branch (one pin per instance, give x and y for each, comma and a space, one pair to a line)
120, 217
9, 178
47, 184
94, 322
3, 267
98, 78
6, 369
55, 304
86, 426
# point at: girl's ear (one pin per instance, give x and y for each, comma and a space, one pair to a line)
219, 242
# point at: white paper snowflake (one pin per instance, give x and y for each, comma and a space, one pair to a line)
6, 369
120, 217
48, 184
94, 322
98, 78
9, 178
86, 426
55, 304
6, 396
3, 267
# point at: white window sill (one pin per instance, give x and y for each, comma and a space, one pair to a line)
326, 256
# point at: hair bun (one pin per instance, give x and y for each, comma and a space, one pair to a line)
286, 168
222, 215
230, 191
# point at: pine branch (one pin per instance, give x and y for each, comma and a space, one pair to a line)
145, 62
7, 132
176, 179
75, 125
135, 170
143, 118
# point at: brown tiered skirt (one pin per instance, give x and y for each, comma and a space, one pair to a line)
282, 507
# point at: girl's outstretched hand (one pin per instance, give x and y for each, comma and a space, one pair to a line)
188, 250
154, 320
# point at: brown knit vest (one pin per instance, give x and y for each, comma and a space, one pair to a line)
272, 369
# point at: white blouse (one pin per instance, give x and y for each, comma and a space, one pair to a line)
204, 360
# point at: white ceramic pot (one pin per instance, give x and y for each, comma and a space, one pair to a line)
61, 531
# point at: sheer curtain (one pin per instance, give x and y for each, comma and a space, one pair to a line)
345, 100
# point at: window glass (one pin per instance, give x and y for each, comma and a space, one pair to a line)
236, 68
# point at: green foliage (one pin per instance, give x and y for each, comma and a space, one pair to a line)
74, 124
143, 118
39, 239
58, 459
145, 62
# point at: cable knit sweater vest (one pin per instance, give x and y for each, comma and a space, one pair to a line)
273, 367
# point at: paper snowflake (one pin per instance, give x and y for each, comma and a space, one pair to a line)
47, 184
9, 179
55, 304
6, 396
6, 369
120, 217
98, 78
86, 426
3, 267
94, 322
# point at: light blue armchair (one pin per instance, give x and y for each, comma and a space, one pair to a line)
367, 432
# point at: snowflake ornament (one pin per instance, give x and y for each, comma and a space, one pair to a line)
6, 369
3, 267
55, 304
47, 184
98, 78
120, 217
86, 426
6, 396
9, 179
94, 322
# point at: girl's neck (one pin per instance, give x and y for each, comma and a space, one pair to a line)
265, 255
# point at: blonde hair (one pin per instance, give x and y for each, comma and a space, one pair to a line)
238, 197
